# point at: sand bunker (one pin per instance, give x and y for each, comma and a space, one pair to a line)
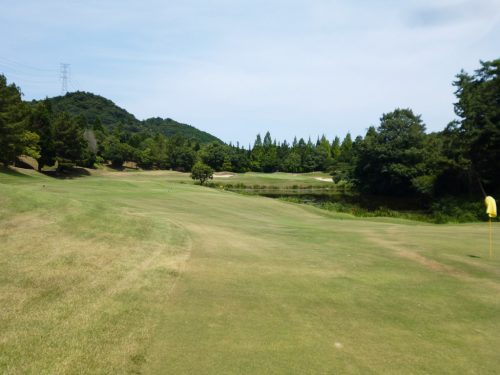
223, 175
324, 179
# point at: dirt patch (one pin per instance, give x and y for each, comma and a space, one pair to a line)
402, 251
130, 164
429, 263
26, 162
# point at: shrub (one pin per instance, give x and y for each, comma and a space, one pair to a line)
201, 172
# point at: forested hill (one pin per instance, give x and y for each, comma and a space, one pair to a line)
170, 127
96, 108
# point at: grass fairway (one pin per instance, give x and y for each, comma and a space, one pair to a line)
138, 273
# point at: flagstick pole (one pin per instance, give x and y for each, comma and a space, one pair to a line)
491, 242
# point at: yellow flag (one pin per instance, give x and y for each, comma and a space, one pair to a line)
491, 206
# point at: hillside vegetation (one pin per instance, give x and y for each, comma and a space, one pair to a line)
144, 272
95, 108
169, 127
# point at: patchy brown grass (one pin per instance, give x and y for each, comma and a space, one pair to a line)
136, 273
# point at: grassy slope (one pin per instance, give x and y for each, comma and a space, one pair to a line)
89, 283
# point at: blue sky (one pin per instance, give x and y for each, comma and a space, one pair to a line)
238, 68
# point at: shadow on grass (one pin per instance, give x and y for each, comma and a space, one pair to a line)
473, 256
68, 173
21, 163
12, 172
65, 174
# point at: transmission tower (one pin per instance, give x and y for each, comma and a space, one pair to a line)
64, 78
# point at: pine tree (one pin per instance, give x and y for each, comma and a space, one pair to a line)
68, 142
15, 138
40, 123
335, 149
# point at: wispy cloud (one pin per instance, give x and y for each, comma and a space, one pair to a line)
444, 14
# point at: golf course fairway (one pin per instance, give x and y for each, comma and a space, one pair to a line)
144, 272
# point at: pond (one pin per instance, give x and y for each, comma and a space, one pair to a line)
345, 197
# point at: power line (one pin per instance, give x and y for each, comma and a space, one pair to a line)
16, 76
9, 70
25, 74
19, 65
20, 81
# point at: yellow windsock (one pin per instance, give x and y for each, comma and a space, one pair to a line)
491, 206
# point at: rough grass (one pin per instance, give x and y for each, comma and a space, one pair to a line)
136, 273
83, 279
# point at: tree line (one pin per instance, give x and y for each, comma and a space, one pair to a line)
398, 157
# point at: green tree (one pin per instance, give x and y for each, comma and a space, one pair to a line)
41, 124
391, 161
145, 158
269, 159
201, 172
335, 149
117, 152
267, 140
478, 107
185, 159
227, 166
154, 152
69, 143
292, 162
346, 149
15, 138
323, 154
181, 154
454, 176
344, 160
214, 154
256, 154
239, 161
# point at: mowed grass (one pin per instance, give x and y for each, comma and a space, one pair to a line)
138, 273
84, 277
